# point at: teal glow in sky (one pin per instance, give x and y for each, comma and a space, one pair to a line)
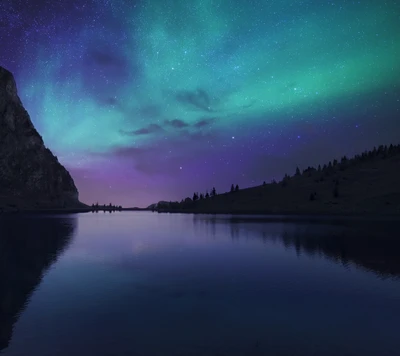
152, 100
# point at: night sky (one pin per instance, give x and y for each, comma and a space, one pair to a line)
152, 100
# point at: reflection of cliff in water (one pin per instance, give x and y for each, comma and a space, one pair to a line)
28, 247
371, 245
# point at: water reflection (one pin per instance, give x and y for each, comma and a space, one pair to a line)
370, 245
28, 247
158, 284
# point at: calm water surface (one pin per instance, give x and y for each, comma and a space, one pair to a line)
158, 284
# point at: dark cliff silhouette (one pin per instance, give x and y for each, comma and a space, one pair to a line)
365, 184
30, 175
28, 247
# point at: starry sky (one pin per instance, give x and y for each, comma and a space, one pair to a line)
152, 100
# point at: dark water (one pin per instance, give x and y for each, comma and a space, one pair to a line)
155, 284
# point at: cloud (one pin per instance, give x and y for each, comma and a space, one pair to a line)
247, 106
131, 152
150, 129
150, 160
178, 124
164, 157
113, 101
204, 122
103, 58
149, 111
199, 99
114, 67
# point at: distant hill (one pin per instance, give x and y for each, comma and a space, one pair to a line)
155, 206
368, 183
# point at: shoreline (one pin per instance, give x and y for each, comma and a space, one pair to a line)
274, 215
45, 211
64, 211
290, 214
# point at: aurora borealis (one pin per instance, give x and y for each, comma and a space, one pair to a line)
152, 100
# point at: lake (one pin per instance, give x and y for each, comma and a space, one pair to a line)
170, 284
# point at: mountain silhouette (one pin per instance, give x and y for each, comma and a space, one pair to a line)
31, 177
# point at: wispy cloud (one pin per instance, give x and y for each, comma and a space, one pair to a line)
198, 99
150, 129
178, 124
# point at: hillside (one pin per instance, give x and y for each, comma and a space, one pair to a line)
366, 184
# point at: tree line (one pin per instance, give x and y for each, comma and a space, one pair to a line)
213, 193
110, 207
380, 152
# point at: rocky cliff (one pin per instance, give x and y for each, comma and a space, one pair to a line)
30, 175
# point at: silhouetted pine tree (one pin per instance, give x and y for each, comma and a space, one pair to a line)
285, 180
207, 195
237, 188
297, 172
213, 192
201, 196
232, 188
372, 153
364, 155
309, 171
195, 197
336, 190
